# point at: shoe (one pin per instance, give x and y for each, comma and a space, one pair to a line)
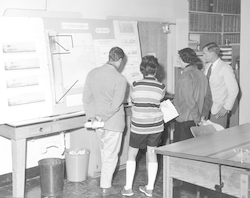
128, 192
147, 192
110, 191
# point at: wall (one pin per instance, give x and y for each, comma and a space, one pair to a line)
244, 112
139, 10
96, 8
179, 38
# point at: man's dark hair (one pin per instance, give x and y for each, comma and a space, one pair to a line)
189, 56
115, 54
212, 47
149, 65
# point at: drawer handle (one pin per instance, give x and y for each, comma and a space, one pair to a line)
218, 188
41, 129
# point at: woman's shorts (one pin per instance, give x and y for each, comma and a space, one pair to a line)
141, 141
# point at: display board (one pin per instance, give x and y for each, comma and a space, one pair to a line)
45, 62
24, 76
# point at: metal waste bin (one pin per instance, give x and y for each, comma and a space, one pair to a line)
77, 162
51, 176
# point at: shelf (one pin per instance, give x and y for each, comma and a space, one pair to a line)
214, 13
198, 32
214, 21
229, 14
199, 12
231, 32
215, 6
226, 53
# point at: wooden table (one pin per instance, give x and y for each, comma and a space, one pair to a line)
19, 132
209, 161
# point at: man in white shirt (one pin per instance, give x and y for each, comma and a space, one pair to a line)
223, 84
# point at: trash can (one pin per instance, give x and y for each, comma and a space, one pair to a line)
51, 176
77, 162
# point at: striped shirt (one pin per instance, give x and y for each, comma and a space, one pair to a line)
146, 96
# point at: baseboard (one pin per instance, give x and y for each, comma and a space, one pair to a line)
33, 172
30, 173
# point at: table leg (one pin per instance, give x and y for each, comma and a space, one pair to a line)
167, 180
18, 167
244, 185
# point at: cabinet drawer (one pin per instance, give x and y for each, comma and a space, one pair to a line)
195, 172
39, 130
231, 178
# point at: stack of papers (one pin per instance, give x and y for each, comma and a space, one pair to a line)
169, 111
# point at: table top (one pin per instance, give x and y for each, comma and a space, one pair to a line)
46, 119
221, 147
43, 126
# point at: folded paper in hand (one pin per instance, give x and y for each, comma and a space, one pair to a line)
168, 110
94, 125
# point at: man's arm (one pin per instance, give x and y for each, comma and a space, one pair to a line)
232, 90
232, 87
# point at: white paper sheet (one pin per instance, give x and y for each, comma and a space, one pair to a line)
168, 110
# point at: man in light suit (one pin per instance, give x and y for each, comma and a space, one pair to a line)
103, 97
223, 84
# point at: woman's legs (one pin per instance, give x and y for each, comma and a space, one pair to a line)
130, 167
152, 167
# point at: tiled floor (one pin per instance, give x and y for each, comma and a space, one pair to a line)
90, 187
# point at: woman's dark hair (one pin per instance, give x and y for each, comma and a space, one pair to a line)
149, 65
189, 56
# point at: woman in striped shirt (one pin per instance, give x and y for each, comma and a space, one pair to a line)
146, 124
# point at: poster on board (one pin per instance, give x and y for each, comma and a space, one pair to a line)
25, 82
